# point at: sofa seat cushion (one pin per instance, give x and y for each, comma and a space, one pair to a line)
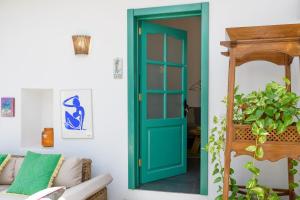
87, 188
3, 187
6, 196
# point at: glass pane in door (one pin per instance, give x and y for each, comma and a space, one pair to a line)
174, 78
155, 47
174, 105
174, 53
155, 106
155, 77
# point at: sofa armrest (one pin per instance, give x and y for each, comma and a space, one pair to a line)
87, 188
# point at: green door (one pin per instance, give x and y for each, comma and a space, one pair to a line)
163, 102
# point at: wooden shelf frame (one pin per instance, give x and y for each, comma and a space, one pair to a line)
278, 44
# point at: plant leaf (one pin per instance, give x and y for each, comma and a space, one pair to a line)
262, 139
217, 180
298, 126
259, 152
251, 148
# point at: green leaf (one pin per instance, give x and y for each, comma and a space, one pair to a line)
285, 100
250, 166
259, 113
251, 118
277, 115
270, 124
262, 132
259, 152
293, 185
270, 111
250, 110
215, 120
251, 183
217, 180
258, 191
216, 170
232, 181
220, 197
251, 148
298, 126
294, 163
280, 128
262, 139
260, 123
286, 81
255, 129
288, 120
293, 171
214, 129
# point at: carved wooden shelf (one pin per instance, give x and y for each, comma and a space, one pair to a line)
278, 44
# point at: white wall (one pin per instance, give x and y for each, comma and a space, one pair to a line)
36, 51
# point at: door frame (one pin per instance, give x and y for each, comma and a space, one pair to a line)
165, 12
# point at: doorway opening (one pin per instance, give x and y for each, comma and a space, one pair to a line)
165, 146
170, 65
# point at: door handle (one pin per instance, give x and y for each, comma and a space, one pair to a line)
186, 108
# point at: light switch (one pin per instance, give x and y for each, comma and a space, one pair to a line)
118, 68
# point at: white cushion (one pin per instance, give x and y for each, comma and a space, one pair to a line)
5, 196
18, 165
49, 193
70, 173
87, 188
7, 174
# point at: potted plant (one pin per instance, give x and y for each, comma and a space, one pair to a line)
259, 116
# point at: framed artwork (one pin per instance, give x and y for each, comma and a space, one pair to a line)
7, 107
76, 113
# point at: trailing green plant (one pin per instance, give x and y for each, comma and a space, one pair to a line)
216, 146
272, 109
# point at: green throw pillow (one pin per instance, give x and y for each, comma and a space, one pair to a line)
37, 173
4, 158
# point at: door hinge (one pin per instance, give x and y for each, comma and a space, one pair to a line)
140, 162
140, 97
140, 31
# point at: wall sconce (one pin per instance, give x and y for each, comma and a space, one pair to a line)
81, 44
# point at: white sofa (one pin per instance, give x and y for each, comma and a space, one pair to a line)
75, 175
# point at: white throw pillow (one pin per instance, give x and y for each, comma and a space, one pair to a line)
19, 162
7, 174
70, 173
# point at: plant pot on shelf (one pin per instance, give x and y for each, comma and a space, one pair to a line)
276, 147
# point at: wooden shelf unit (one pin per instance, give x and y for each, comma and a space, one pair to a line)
278, 44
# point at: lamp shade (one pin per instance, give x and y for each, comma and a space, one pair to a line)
81, 44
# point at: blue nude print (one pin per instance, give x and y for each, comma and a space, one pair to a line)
74, 121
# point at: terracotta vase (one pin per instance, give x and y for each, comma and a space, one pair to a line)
48, 137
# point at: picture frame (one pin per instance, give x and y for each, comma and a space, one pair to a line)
76, 113
7, 107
